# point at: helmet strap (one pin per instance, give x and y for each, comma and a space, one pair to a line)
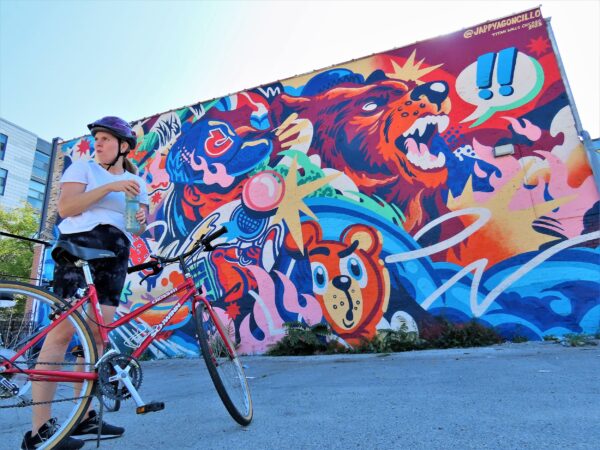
119, 154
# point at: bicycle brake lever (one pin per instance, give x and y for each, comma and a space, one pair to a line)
155, 271
210, 247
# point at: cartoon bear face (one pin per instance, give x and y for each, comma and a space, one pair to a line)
348, 278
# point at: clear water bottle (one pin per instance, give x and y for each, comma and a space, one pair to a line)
132, 204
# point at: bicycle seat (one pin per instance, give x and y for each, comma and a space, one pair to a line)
65, 250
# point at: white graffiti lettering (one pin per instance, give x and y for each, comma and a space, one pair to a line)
168, 317
270, 91
163, 296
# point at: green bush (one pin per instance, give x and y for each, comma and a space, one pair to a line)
301, 339
469, 334
579, 340
388, 341
551, 337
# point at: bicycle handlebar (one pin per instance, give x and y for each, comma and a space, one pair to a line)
204, 241
142, 266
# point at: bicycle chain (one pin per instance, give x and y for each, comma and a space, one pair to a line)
62, 363
31, 403
26, 404
138, 381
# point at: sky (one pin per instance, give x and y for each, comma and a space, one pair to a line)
66, 63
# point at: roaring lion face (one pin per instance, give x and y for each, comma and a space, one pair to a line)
411, 123
387, 133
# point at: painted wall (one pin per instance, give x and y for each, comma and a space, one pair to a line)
368, 196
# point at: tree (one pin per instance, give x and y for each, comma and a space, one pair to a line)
16, 255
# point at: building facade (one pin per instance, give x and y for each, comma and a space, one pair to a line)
24, 167
442, 181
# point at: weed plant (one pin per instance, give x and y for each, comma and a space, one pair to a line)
302, 339
579, 340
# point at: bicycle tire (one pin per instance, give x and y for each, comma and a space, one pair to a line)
223, 365
68, 409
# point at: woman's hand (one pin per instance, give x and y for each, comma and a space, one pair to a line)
129, 187
141, 215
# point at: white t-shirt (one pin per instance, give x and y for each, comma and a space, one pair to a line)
110, 209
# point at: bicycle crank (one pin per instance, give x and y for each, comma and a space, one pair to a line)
119, 376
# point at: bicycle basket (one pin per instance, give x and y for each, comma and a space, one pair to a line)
203, 275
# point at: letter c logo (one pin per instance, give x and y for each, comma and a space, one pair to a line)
217, 143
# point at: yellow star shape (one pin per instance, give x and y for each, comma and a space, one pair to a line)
292, 202
411, 71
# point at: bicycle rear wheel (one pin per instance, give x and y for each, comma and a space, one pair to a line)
17, 330
223, 365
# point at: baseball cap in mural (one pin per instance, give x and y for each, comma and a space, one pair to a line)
115, 126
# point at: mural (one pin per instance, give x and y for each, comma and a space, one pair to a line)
368, 196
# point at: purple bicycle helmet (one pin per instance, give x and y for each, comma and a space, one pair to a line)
115, 126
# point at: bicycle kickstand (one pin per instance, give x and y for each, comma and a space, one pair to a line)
100, 420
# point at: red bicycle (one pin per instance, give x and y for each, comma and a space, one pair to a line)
80, 374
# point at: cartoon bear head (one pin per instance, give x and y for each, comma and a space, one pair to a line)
349, 280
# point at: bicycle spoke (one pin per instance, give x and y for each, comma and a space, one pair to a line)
17, 332
224, 366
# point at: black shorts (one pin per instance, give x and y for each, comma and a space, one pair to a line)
109, 274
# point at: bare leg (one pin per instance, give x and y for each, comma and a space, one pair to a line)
53, 351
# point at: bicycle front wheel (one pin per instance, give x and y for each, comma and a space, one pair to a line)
223, 365
21, 395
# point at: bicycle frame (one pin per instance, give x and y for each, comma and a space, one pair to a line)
189, 292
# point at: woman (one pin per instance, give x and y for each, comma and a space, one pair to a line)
92, 204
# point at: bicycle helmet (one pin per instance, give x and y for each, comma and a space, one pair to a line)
119, 129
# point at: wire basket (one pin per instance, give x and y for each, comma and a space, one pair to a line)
203, 275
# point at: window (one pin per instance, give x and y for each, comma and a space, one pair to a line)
41, 165
3, 140
36, 194
3, 176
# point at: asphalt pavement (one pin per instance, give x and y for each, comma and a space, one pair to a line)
511, 396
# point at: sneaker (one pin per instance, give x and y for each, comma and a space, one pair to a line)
88, 429
31, 441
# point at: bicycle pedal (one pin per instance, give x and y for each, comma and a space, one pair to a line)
150, 407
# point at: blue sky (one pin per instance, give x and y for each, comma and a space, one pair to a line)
66, 63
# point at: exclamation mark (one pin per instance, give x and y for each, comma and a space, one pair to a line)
485, 68
506, 70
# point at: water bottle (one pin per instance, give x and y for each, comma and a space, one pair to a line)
132, 204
